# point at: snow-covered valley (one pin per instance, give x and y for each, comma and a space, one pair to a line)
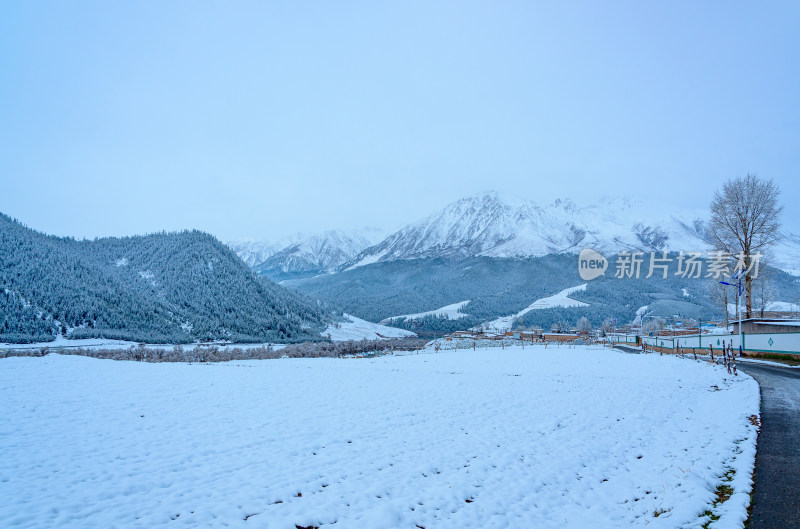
560, 299
583, 437
451, 312
353, 328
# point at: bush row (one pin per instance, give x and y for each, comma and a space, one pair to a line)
225, 354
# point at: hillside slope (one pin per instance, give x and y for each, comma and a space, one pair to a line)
502, 287
166, 287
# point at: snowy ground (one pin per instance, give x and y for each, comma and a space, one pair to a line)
103, 343
494, 438
451, 312
352, 329
358, 329
561, 299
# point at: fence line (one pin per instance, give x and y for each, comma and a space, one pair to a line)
778, 342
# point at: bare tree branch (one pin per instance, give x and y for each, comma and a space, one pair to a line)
745, 218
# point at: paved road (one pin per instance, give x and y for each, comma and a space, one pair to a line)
628, 349
776, 502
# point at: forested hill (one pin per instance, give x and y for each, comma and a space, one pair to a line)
160, 288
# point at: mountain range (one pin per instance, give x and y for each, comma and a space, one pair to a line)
489, 225
492, 225
485, 258
492, 256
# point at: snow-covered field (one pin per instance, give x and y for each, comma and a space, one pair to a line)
560, 299
584, 437
357, 329
351, 329
104, 343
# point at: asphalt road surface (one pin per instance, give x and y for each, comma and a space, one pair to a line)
776, 499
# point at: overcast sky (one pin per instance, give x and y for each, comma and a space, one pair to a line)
263, 119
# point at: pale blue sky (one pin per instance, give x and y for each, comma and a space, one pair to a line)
266, 118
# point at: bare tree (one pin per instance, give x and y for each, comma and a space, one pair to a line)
719, 295
764, 294
745, 219
653, 325
584, 325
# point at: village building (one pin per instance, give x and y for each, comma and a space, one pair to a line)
766, 326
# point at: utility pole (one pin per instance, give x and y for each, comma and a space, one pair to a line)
738, 277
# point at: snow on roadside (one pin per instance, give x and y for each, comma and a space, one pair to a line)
751, 360
357, 329
451, 312
583, 437
561, 299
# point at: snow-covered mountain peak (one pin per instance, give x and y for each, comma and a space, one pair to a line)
565, 204
304, 254
493, 225
496, 224
253, 251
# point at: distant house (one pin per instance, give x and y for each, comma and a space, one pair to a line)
523, 335
536, 331
766, 325
558, 337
